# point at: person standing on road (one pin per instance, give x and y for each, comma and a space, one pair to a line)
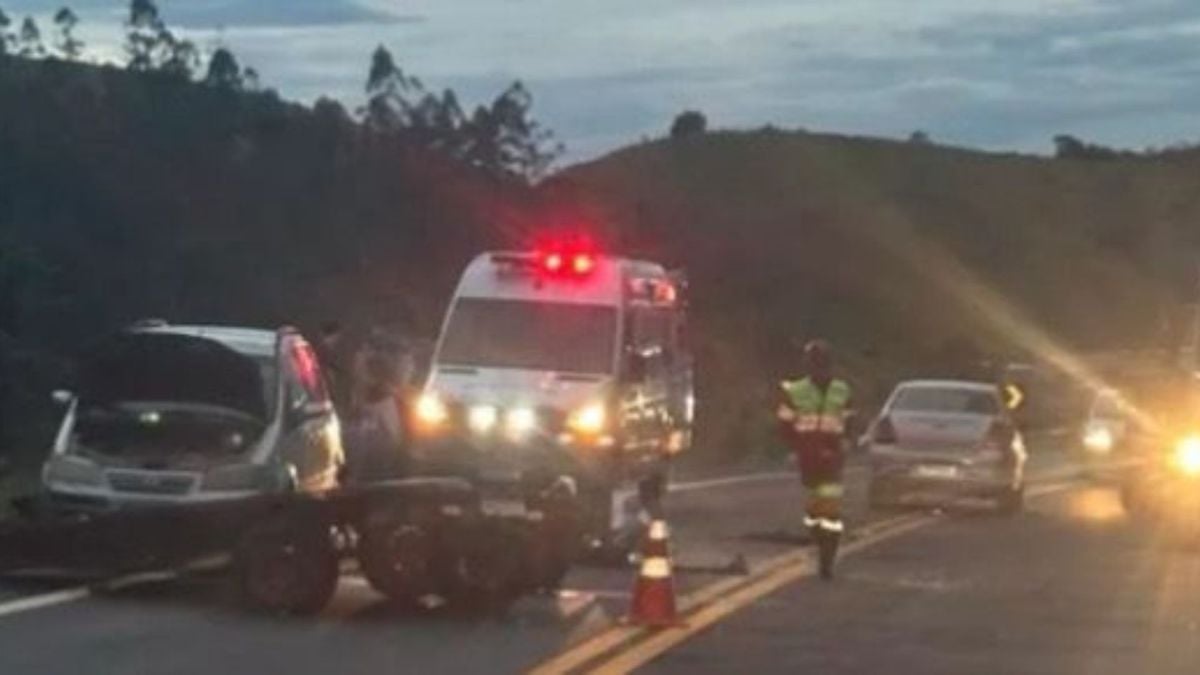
812, 413
330, 349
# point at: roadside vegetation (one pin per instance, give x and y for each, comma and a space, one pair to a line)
176, 183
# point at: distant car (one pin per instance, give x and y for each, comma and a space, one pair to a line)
183, 414
1108, 424
949, 439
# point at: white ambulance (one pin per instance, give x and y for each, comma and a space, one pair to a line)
559, 367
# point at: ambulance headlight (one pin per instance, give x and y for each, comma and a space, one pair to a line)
520, 421
482, 418
431, 411
589, 420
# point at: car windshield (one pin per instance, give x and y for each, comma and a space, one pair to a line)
530, 335
945, 400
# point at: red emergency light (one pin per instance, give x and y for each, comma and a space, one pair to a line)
552, 262
567, 258
582, 263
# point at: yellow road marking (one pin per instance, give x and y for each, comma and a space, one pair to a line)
714, 602
618, 636
645, 651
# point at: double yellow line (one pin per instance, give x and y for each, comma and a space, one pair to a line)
623, 648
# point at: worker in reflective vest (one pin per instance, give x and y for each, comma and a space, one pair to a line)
812, 413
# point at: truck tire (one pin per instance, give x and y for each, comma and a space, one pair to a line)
483, 571
287, 565
554, 546
396, 553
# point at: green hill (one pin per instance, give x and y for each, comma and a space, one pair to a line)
910, 257
125, 195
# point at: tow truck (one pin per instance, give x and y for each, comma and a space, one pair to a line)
562, 377
191, 443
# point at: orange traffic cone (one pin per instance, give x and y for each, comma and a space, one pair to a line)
654, 591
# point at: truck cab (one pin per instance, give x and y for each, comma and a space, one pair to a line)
559, 369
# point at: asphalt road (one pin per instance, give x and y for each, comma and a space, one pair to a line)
1072, 586
958, 592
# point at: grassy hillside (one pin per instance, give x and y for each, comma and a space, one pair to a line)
125, 195
908, 256
128, 195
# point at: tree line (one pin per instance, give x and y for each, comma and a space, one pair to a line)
173, 184
501, 137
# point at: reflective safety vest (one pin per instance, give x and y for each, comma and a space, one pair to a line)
813, 410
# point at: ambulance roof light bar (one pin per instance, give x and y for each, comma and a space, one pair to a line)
551, 261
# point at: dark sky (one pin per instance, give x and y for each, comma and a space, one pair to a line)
995, 74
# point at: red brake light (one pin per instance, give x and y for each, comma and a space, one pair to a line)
305, 363
885, 432
553, 262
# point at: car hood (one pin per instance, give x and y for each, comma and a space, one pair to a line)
506, 388
178, 370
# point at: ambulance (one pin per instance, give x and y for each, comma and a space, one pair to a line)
560, 370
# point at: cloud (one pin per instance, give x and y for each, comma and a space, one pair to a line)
976, 72
214, 13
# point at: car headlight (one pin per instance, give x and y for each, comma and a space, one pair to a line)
590, 419
482, 418
520, 421
239, 478
67, 470
431, 411
1187, 455
1098, 440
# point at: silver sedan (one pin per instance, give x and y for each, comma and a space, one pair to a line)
948, 439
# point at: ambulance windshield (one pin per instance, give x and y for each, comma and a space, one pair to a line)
552, 336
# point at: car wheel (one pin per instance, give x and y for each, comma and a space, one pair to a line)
286, 566
396, 553
1011, 501
555, 544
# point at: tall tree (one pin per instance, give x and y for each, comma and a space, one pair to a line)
69, 46
224, 71
180, 57
390, 93
250, 79
505, 139
29, 40
6, 38
152, 46
141, 35
689, 123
